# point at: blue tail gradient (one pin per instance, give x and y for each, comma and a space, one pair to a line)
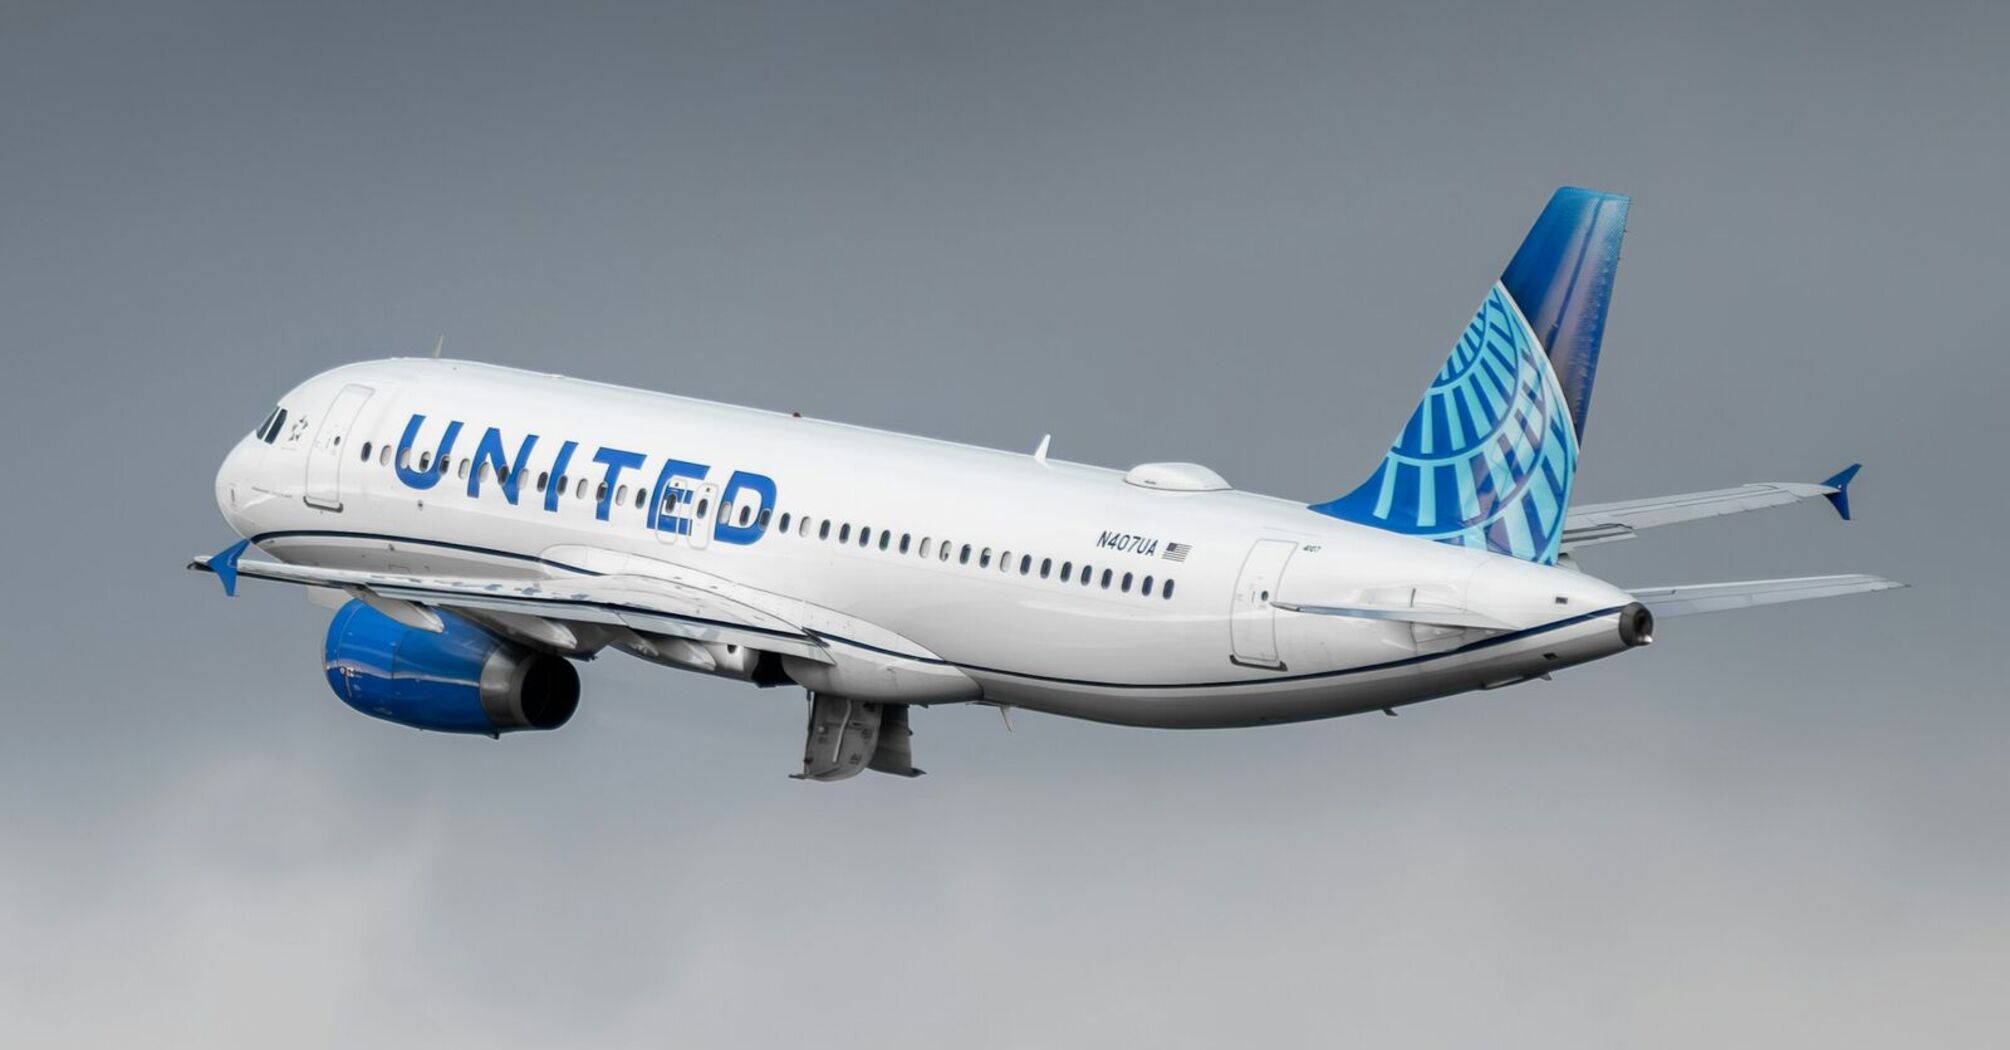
1488, 457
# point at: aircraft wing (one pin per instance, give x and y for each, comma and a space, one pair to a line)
1607, 522
1716, 597
643, 603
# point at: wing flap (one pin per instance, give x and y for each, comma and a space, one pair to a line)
1689, 599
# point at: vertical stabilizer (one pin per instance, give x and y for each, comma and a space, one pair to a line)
1488, 457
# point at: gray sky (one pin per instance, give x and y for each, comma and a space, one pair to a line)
1245, 239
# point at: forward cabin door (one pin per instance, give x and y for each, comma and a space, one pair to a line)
326, 456
1252, 621
703, 511
687, 508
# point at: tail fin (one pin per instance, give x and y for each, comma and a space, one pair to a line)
1487, 459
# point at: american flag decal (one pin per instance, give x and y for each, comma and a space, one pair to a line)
1177, 551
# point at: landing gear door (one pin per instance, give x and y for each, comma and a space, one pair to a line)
1252, 621
325, 457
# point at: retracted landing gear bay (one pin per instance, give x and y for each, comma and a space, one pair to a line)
846, 736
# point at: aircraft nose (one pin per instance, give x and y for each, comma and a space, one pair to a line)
231, 477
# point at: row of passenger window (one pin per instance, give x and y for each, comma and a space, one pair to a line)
942, 551
578, 486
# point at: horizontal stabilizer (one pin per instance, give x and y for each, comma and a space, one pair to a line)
1717, 597
1606, 522
1424, 614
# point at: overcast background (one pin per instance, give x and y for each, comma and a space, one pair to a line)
1241, 237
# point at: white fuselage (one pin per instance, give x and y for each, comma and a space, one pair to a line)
1052, 610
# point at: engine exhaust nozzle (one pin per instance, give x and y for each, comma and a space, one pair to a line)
1636, 625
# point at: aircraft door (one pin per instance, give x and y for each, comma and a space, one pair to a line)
1252, 621
704, 508
677, 509
326, 455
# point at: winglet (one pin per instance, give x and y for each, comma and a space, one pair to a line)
1839, 499
224, 565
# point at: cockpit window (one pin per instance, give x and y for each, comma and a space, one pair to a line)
278, 423
270, 417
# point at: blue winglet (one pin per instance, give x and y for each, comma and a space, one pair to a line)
1839, 499
224, 565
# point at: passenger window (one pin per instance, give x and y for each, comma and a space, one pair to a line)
620, 495
580, 489
1088, 575
924, 547
1106, 579
384, 456
726, 512
865, 535
844, 533
704, 505
641, 497
425, 462
366, 452
1025, 564
503, 475
984, 559
1067, 570
746, 514
404, 457
964, 558
1167, 593
600, 492
1046, 566
464, 469
824, 530
1126, 588
765, 513
904, 537
885, 538
1005, 562
1146, 589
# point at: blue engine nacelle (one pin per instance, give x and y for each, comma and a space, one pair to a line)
462, 680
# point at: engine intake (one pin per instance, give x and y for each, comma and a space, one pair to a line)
461, 680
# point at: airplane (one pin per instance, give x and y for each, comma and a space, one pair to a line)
478, 529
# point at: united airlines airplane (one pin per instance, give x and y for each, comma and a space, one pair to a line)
479, 528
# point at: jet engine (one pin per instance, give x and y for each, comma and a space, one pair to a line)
460, 680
